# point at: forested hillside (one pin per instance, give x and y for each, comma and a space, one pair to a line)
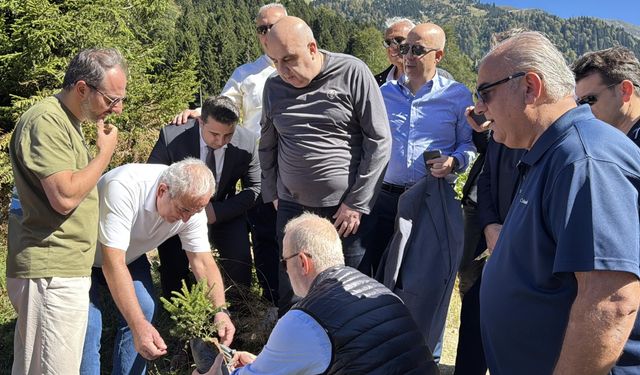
177, 51
474, 23
181, 50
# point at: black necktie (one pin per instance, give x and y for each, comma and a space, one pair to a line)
211, 162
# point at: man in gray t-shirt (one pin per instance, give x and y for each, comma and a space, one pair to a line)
325, 136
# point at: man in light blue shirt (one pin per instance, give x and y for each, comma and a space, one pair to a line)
345, 322
426, 112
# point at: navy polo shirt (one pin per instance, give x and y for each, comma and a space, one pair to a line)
576, 210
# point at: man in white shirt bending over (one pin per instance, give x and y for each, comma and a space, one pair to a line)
141, 205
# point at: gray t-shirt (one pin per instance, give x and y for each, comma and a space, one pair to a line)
327, 143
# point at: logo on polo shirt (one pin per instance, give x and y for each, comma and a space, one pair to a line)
524, 201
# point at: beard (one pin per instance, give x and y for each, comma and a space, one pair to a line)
88, 112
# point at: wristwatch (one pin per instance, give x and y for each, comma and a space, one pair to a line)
456, 165
225, 310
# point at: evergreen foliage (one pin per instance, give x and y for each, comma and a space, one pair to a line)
39, 37
367, 45
192, 311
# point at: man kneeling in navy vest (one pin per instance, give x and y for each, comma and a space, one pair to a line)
346, 322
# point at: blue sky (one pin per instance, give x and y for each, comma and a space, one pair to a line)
625, 10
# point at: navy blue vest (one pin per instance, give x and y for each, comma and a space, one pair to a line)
370, 329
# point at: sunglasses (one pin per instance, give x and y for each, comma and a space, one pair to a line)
593, 98
393, 42
111, 102
482, 93
283, 261
263, 29
416, 49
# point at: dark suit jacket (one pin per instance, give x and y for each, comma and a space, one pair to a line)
421, 262
480, 141
497, 182
240, 163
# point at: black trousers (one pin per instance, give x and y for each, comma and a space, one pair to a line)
470, 359
379, 231
262, 218
230, 238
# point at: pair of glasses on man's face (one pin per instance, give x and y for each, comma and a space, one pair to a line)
482, 92
593, 98
263, 29
111, 102
415, 49
283, 261
393, 42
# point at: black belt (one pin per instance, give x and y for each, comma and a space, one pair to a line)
394, 189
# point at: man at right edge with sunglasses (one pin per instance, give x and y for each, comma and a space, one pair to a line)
560, 292
609, 81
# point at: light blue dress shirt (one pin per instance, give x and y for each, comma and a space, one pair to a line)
432, 119
297, 345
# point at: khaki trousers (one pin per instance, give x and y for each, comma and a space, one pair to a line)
52, 320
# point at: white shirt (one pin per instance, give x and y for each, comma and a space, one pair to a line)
391, 75
129, 220
245, 88
218, 153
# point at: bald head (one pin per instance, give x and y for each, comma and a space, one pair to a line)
317, 236
420, 64
294, 51
291, 29
430, 33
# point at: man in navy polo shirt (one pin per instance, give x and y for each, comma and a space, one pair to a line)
560, 292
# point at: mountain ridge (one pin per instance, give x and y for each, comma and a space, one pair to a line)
475, 22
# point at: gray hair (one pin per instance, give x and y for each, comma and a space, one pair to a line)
221, 109
613, 64
189, 178
531, 51
270, 6
394, 20
316, 236
498, 37
90, 66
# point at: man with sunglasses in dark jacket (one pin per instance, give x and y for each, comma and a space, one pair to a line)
394, 35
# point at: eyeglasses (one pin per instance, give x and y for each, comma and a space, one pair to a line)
416, 49
283, 261
263, 29
393, 42
482, 94
184, 210
111, 102
593, 98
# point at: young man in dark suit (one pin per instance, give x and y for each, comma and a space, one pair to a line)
231, 153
